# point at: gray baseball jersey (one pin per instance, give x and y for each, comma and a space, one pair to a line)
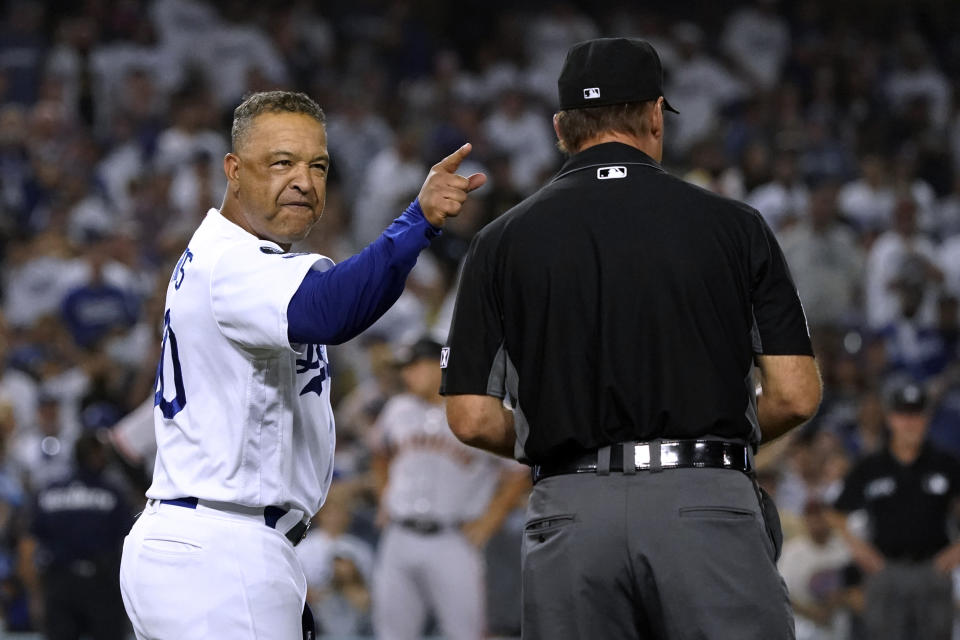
432, 475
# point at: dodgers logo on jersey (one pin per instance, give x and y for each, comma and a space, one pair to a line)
315, 357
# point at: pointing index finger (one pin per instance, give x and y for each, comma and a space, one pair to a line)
452, 161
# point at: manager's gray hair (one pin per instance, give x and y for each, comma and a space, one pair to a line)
271, 102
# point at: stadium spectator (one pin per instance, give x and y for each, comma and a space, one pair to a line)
868, 202
338, 566
699, 82
42, 451
393, 174
902, 247
516, 128
813, 566
785, 197
914, 345
14, 603
909, 591
548, 36
97, 309
76, 532
192, 137
914, 78
826, 261
758, 41
357, 133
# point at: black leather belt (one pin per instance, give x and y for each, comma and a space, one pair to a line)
674, 454
271, 516
425, 527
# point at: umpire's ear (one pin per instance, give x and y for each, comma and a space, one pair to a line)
656, 119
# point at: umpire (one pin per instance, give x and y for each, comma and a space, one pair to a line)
626, 317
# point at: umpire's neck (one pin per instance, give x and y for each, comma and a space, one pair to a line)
650, 142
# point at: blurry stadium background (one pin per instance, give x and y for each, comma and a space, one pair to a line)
839, 121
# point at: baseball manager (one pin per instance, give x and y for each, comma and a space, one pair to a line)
242, 406
626, 318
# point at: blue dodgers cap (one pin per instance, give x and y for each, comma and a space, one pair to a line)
606, 71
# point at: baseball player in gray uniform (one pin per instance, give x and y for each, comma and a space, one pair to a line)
242, 405
440, 502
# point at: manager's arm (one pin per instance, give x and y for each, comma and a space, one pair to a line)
333, 306
482, 422
790, 392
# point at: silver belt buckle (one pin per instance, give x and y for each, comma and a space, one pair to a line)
641, 456
669, 455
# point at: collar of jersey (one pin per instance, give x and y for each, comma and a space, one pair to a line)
604, 154
234, 230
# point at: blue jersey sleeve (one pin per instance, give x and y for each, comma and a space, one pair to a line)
332, 306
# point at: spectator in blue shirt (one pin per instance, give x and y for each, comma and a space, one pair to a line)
95, 310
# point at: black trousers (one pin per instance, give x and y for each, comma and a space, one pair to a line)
83, 600
673, 555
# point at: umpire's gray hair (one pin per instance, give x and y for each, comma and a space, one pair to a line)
271, 102
576, 126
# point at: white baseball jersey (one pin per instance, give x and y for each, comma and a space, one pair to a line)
432, 475
242, 416
135, 435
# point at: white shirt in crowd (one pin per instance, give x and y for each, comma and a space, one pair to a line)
883, 266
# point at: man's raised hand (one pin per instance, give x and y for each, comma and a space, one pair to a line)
444, 192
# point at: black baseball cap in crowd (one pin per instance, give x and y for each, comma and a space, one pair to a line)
609, 71
424, 348
908, 398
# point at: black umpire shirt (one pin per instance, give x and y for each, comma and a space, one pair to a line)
621, 303
909, 506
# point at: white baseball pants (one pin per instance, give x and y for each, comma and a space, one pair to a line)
193, 575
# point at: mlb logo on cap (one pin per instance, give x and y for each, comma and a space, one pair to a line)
622, 69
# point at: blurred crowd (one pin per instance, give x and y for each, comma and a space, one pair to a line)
839, 122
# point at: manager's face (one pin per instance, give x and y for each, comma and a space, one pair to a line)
279, 176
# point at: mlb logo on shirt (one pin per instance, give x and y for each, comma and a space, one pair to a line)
591, 93
609, 173
444, 357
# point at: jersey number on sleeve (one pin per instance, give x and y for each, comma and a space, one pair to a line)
169, 408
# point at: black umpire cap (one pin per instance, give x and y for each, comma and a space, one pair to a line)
908, 398
609, 71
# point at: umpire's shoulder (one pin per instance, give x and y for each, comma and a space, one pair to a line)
709, 201
493, 232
